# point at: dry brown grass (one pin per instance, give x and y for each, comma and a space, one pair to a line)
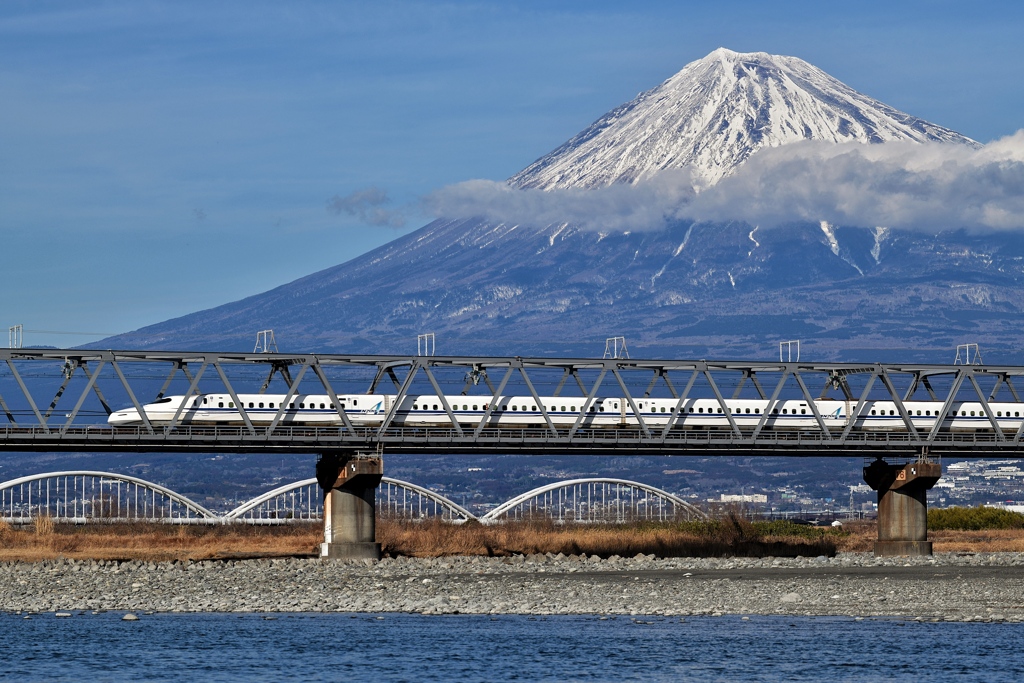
156, 542
437, 539
862, 536
161, 542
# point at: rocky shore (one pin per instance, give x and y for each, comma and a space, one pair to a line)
956, 587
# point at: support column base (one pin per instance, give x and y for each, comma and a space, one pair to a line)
351, 551
902, 548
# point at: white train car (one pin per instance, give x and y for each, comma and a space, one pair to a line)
604, 412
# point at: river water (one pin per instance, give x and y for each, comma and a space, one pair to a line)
408, 647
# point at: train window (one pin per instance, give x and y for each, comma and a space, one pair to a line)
435, 406
261, 405
231, 404
250, 404
775, 411
757, 411
355, 402
474, 406
999, 413
803, 411
700, 410
663, 409
321, 406
415, 407
572, 408
972, 413
270, 405
919, 412
784, 412
514, 408
602, 409
748, 411
1016, 414
534, 407
301, 405
221, 404
928, 412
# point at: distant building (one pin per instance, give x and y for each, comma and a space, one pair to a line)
744, 498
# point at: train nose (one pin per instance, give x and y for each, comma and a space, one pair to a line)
124, 417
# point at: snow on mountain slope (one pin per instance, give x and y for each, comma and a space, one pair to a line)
714, 114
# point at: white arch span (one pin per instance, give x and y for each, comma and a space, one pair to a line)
456, 509
189, 504
494, 516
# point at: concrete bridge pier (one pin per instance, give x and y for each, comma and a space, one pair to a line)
350, 505
902, 505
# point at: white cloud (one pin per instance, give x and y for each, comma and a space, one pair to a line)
930, 186
642, 206
368, 206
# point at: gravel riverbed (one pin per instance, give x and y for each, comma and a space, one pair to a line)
955, 587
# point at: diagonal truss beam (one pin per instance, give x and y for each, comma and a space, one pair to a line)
677, 411
192, 387
772, 402
536, 397
28, 396
492, 405
632, 403
812, 405
403, 391
854, 415
900, 407
444, 402
589, 400
721, 401
293, 389
234, 397
335, 401
90, 385
131, 395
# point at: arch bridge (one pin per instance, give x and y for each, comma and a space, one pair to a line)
84, 496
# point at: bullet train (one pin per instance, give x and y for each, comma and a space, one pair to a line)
524, 411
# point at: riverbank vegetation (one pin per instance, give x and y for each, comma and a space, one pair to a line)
962, 530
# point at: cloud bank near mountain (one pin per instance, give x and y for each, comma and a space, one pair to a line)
919, 186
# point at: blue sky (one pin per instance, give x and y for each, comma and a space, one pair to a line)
158, 158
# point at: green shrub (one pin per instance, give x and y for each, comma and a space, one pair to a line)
974, 519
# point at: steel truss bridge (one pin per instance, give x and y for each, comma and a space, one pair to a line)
81, 497
58, 400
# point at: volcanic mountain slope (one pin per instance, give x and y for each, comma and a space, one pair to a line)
695, 290
692, 289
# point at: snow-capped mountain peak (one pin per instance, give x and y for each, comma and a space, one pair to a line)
714, 114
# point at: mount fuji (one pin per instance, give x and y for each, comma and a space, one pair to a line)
717, 112
690, 289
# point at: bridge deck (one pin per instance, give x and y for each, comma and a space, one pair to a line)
622, 441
